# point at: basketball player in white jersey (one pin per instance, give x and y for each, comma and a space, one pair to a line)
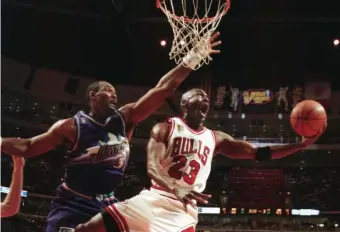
180, 152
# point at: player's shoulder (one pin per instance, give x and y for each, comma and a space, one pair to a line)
63, 122
127, 108
162, 129
161, 126
63, 125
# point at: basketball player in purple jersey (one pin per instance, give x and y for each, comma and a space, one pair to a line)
98, 143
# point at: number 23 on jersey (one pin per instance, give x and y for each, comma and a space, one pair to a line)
180, 162
181, 148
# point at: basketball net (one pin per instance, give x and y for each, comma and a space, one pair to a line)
193, 29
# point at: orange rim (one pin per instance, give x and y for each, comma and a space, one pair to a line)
187, 19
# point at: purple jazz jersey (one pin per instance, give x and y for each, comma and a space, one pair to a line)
94, 166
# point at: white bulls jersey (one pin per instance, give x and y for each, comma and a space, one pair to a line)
189, 155
188, 162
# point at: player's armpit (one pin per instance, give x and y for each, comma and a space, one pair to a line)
156, 151
156, 96
31, 147
235, 149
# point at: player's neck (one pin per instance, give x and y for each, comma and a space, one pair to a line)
101, 118
194, 125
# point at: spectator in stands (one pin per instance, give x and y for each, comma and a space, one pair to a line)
11, 205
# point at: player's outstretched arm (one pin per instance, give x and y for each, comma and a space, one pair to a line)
239, 149
11, 205
40, 144
154, 98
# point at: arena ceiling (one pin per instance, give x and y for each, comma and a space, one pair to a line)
264, 41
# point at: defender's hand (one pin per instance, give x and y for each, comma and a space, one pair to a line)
214, 42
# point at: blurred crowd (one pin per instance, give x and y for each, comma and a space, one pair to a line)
36, 110
26, 223
317, 189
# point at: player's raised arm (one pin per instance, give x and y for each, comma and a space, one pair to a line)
239, 149
40, 144
154, 98
11, 205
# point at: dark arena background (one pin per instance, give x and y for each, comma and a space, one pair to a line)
52, 50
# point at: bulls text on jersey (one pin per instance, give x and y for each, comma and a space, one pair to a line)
190, 146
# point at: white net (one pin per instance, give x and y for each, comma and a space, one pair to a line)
193, 22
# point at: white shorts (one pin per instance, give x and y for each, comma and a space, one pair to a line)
153, 210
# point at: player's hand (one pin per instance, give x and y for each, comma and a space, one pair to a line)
307, 141
18, 162
189, 197
214, 42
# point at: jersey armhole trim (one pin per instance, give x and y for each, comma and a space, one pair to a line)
124, 121
77, 124
172, 127
214, 138
118, 217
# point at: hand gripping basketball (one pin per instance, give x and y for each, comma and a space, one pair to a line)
307, 141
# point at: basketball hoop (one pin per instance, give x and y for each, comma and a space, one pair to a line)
193, 22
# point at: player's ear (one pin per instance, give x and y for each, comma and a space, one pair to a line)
184, 112
184, 106
92, 95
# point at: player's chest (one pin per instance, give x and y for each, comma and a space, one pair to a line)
193, 147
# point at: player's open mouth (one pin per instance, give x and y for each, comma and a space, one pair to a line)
112, 105
113, 101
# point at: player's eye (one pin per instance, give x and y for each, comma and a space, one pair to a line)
108, 89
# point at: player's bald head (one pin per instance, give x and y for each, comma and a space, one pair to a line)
193, 93
195, 107
95, 86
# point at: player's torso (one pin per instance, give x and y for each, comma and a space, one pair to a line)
97, 162
189, 155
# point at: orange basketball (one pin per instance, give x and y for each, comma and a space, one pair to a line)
308, 118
